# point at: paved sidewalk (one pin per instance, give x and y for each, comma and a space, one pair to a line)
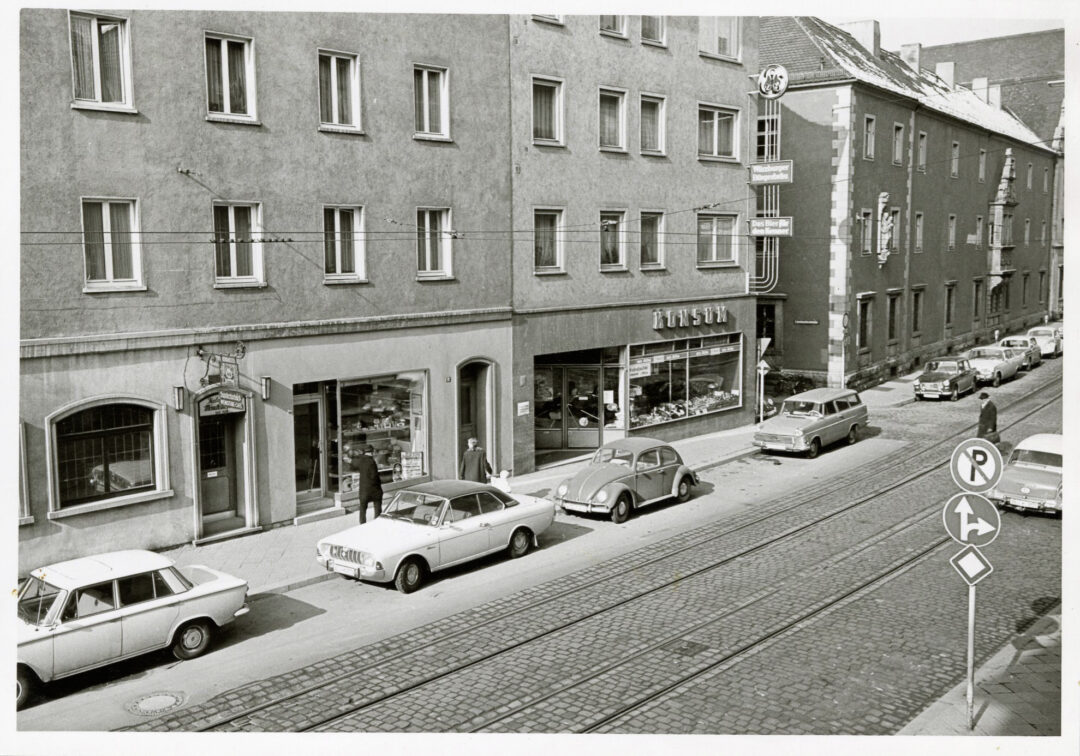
1017, 691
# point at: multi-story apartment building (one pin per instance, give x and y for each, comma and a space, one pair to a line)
921, 211
253, 243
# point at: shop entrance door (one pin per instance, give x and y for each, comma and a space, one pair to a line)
217, 473
307, 445
582, 416
473, 410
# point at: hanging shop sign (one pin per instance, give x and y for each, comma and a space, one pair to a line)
689, 317
770, 226
223, 403
772, 82
775, 172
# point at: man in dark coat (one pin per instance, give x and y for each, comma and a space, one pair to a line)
474, 464
988, 419
370, 485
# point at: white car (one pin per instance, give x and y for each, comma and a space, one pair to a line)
1048, 339
89, 612
1032, 476
994, 364
1026, 344
435, 525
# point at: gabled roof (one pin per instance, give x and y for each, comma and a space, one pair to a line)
837, 56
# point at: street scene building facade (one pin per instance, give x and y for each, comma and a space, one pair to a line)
922, 210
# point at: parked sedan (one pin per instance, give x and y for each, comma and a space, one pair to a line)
89, 612
432, 526
1048, 339
994, 364
1026, 344
949, 377
624, 475
1032, 476
814, 419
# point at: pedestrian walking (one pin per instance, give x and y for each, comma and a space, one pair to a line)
369, 486
474, 463
988, 419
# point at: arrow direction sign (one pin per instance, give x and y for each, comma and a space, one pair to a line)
971, 519
976, 465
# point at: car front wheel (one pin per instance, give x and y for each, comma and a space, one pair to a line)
25, 683
683, 491
519, 543
621, 511
815, 449
955, 394
997, 380
192, 640
409, 576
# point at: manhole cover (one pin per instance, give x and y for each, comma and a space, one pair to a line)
156, 703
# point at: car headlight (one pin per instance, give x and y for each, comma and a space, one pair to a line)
562, 489
366, 559
322, 549
797, 432
601, 497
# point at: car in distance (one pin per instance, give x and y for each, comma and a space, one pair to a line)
946, 377
1048, 339
85, 613
994, 364
1026, 344
432, 526
624, 475
1032, 476
809, 421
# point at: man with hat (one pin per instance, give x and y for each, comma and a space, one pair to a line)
988, 419
369, 485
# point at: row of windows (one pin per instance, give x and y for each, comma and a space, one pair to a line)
1004, 230
999, 301
113, 257
717, 35
869, 139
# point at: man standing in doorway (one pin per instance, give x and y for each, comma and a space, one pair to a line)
369, 486
988, 419
474, 463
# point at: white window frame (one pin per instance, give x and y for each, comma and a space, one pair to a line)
951, 233
923, 146
159, 445
918, 232
662, 41
866, 217
621, 94
1027, 231
136, 282
359, 275
25, 518
560, 250
446, 236
234, 281
707, 23
894, 215
869, 135
250, 117
1030, 170
982, 166
560, 111
356, 127
898, 144
661, 258
715, 263
978, 231
1046, 180
620, 241
549, 18
661, 101
444, 102
126, 105
619, 33
736, 119
954, 160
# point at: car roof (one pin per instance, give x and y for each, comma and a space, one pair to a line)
450, 488
1037, 329
1048, 442
101, 567
635, 443
821, 394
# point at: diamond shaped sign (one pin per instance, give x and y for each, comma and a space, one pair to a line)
971, 565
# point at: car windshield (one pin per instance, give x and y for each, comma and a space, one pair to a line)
613, 455
1013, 343
1036, 457
36, 599
800, 408
986, 354
942, 367
419, 508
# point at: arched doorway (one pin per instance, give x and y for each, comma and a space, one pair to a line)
476, 408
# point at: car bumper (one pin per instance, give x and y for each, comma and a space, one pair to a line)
787, 444
352, 570
584, 507
940, 393
1014, 501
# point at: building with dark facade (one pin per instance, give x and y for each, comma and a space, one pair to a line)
255, 243
921, 210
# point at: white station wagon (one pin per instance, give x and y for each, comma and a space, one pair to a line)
89, 612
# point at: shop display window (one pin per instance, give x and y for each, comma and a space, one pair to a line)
673, 380
386, 412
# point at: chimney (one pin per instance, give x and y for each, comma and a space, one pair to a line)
866, 33
993, 95
911, 54
979, 85
946, 71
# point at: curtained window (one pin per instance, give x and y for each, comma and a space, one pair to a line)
237, 251
433, 243
652, 28
342, 243
99, 56
611, 248
716, 132
338, 89
719, 35
650, 240
612, 24
652, 124
546, 110
545, 225
611, 120
716, 239
229, 77
109, 245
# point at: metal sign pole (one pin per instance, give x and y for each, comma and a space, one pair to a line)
971, 658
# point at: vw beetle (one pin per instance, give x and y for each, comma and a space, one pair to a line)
624, 475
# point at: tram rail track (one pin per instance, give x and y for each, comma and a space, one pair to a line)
695, 540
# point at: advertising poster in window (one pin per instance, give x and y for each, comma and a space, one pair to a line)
412, 465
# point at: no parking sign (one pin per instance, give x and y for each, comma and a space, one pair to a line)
976, 465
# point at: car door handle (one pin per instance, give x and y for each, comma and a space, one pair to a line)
485, 524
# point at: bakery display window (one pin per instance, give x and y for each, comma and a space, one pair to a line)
673, 380
386, 412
